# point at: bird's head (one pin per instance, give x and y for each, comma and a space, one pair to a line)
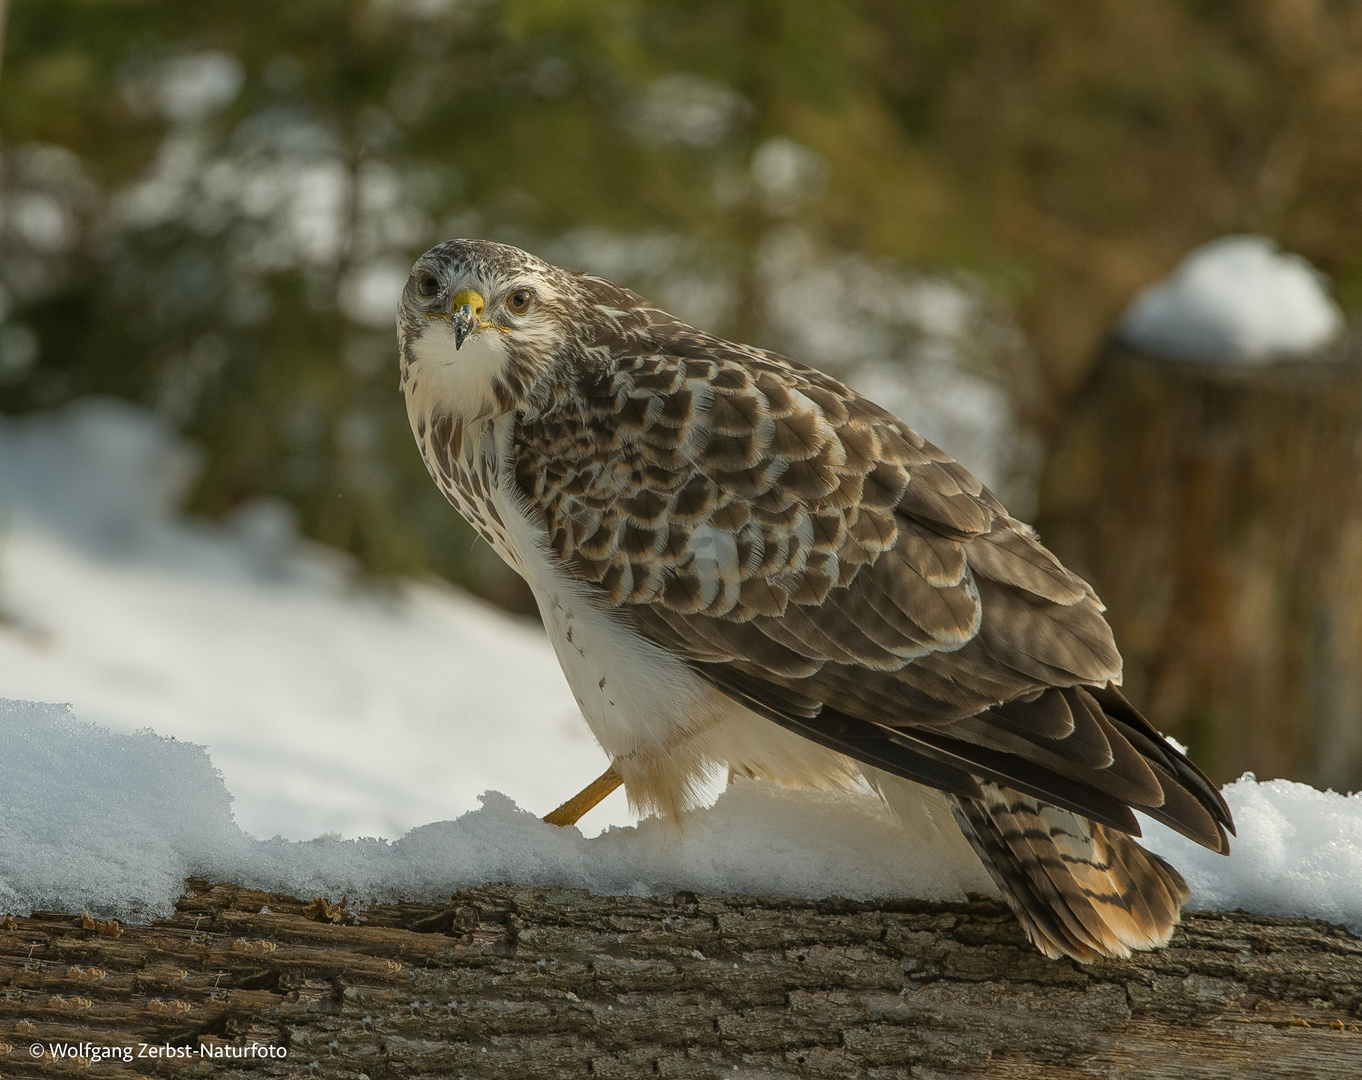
481, 325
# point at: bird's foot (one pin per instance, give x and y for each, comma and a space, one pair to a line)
576, 807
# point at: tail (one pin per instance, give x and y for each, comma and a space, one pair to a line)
1079, 888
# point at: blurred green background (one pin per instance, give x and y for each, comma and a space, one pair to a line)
208, 207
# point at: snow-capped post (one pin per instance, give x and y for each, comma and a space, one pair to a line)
1208, 484
511, 982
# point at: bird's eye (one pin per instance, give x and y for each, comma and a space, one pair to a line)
519, 301
429, 285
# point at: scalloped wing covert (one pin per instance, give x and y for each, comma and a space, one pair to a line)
751, 512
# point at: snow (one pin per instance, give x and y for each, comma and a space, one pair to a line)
1236, 299
286, 701
110, 823
98, 821
328, 708
1298, 852
88, 811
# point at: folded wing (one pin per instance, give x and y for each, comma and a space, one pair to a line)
815, 558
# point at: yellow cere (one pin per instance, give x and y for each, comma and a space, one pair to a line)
473, 299
470, 297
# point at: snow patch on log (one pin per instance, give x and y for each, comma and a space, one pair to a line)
112, 824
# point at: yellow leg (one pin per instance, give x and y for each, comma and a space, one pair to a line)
571, 811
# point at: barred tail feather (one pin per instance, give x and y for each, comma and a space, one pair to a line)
1079, 888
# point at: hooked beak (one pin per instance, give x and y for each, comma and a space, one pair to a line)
464, 321
466, 314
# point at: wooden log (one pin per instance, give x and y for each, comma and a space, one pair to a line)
513, 983
1217, 510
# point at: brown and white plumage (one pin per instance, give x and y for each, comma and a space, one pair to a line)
743, 563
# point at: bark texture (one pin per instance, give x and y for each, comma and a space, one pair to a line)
516, 983
1217, 510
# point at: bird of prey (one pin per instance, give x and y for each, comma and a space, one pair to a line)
744, 564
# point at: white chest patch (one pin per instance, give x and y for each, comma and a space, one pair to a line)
458, 380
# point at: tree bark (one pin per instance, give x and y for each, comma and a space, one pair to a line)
1217, 510
516, 983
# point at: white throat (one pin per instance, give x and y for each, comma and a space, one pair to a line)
455, 381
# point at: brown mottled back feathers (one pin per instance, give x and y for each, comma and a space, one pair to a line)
819, 561
759, 514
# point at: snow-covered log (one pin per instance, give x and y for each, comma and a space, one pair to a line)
513, 982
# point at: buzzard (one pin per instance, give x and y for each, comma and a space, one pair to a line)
742, 563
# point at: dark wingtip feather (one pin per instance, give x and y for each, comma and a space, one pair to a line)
1186, 775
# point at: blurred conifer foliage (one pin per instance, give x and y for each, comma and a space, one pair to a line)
208, 207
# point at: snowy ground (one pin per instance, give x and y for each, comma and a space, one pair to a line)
281, 701
328, 710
